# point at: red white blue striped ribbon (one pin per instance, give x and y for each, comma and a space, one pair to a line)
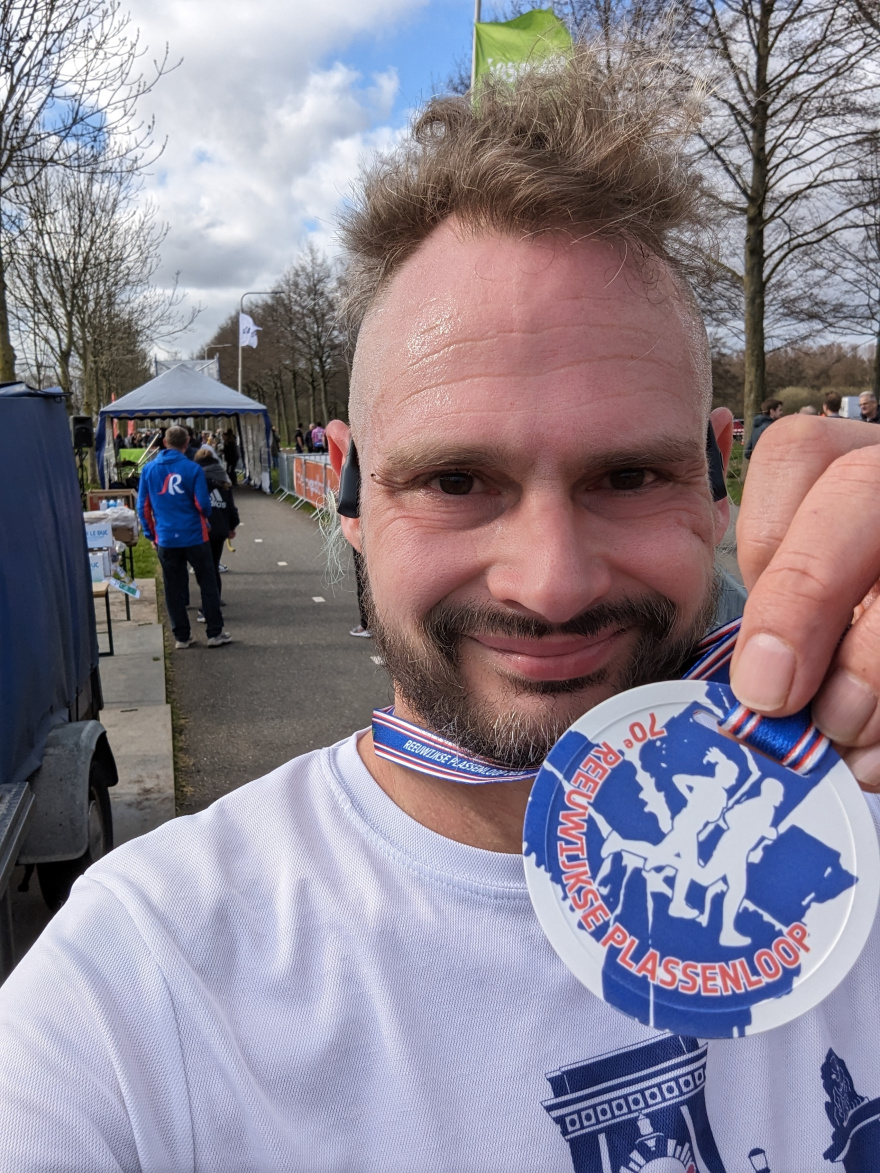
406, 744
794, 741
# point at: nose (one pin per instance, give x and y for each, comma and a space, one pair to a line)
547, 560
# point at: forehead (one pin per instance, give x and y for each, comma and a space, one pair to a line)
522, 331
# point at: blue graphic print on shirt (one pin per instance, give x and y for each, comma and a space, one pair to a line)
643, 1108
631, 1107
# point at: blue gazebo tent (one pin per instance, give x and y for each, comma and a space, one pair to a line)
180, 393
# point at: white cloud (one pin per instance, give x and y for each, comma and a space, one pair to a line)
263, 139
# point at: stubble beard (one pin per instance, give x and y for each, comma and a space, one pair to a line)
427, 673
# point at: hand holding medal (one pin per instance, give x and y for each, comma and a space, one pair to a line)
704, 885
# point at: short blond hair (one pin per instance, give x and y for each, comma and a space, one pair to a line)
595, 143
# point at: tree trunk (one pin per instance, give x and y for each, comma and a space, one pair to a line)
7, 354
755, 389
322, 383
64, 370
285, 427
312, 416
755, 383
297, 414
876, 387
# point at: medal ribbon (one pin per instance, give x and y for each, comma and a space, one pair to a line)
794, 741
406, 744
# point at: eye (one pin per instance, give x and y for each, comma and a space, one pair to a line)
629, 478
457, 484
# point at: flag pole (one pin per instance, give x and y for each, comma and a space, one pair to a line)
474, 50
250, 293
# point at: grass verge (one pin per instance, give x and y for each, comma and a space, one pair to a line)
146, 560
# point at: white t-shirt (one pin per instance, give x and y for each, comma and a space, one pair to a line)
303, 978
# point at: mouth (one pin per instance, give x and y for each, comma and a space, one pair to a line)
563, 657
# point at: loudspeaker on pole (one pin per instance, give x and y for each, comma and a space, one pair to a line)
83, 432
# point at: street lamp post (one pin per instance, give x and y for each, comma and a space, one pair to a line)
474, 49
250, 293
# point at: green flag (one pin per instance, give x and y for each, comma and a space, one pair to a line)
532, 37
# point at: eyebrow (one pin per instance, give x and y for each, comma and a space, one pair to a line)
661, 451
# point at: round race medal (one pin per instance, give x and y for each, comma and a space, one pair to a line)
689, 880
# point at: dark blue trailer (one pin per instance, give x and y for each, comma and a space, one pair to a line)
55, 761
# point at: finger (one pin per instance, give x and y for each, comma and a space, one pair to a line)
804, 599
791, 457
846, 708
865, 765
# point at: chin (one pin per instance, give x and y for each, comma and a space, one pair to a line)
559, 700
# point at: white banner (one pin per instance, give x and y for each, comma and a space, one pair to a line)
247, 330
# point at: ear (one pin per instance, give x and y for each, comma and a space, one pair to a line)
338, 437
721, 421
722, 425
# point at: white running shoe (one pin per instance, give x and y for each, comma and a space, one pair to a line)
217, 641
361, 632
183, 643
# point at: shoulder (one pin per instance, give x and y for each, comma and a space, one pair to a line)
232, 859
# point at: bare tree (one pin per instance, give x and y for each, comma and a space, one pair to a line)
792, 97
854, 265
81, 279
306, 304
299, 369
70, 81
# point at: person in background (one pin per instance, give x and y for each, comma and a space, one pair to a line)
362, 630
299, 442
224, 515
174, 507
193, 446
274, 448
868, 407
771, 410
831, 406
309, 445
318, 438
230, 455
808, 410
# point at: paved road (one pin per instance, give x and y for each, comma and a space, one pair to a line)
292, 680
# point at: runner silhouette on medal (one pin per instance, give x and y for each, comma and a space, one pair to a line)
747, 824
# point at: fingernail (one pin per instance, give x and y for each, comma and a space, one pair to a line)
865, 764
842, 708
764, 673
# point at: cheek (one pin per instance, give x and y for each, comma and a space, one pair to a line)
413, 566
673, 554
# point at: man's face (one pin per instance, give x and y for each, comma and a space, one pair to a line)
535, 515
776, 412
867, 406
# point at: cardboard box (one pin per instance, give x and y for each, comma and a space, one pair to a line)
99, 531
99, 565
124, 524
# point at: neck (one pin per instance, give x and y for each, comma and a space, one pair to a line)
489, 816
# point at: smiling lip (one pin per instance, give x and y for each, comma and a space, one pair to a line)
553, 657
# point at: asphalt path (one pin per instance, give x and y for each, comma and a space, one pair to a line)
292, 680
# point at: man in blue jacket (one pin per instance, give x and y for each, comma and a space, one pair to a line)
174, 506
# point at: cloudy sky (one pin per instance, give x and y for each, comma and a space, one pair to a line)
267, 117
